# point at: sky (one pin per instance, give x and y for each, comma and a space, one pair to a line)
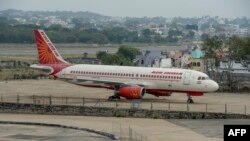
138, 8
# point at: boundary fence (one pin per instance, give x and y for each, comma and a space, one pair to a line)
144, 104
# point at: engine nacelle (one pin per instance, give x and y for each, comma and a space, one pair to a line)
131, 92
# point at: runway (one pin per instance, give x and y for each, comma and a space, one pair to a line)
79, 49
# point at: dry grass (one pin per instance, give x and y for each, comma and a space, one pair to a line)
28, 59
6, 74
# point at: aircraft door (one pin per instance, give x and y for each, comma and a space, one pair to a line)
186, 80
62, 72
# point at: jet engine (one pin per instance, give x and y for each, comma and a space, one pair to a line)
131, 92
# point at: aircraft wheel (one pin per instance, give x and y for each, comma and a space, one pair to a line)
111, 97
190, 101
118, 97
114, 97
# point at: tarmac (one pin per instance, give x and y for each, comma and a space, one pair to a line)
153, 129
210, 102
39, 133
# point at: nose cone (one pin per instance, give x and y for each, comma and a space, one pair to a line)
214, 86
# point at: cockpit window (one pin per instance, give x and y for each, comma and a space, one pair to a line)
207, 78
203, 78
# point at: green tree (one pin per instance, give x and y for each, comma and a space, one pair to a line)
239, 50
111, 59
190, 35
158, 39
117, 34
128, 52
235, 47
173, 35
247, 47
147, 32
124, 56
204, 36
55, 27
101, 54
211, 47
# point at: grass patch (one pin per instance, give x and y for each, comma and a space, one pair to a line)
29, 59
20, 73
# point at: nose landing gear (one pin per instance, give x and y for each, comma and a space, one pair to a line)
190, 100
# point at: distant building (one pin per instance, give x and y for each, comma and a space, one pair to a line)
235, 67
150, 58
191, 27
166, 63
176, 58
188, 62
197, 64
192, 59
197, 53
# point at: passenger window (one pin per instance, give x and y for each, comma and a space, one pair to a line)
198, 64
199, 78
203, 78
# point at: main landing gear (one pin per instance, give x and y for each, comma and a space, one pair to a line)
116, 94
190, 100
114, 97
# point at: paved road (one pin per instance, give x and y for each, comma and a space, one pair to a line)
152, 129
212, 128
39, 133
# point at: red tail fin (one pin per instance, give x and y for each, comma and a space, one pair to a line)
47, 53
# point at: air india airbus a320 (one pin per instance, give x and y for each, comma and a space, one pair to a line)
128, 82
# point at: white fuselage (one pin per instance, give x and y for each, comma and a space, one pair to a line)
175, 80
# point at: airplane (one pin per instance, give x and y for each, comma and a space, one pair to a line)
129, 82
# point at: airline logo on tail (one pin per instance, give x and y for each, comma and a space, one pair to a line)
47, 53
